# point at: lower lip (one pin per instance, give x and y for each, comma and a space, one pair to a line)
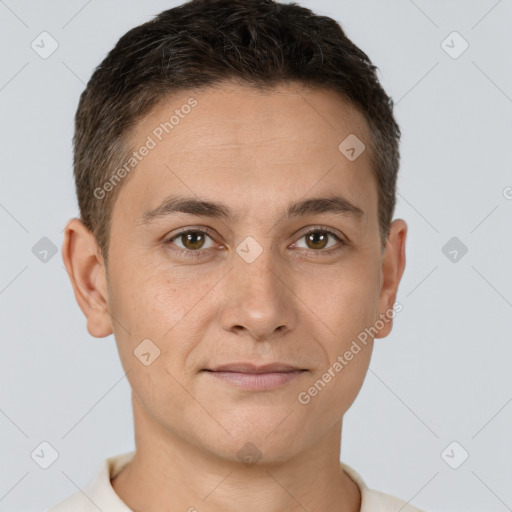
257, 381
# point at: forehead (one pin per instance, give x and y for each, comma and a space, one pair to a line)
249, 146
246, 116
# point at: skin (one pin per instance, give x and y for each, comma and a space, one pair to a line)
297, 303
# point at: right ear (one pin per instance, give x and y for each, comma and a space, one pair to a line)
86, 269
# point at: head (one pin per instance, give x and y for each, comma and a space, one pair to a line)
236, 165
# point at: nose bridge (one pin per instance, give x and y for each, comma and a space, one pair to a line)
257, 299
258, 278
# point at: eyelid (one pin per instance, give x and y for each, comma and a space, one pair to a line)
312, 229
191, 229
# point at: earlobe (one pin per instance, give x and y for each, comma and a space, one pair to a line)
393, 265
86, 270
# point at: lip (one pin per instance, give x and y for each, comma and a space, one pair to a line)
251, 377
253, 368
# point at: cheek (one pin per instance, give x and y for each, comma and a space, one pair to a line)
345, 299
144, 296
331, 391
171, 311
154, 341
346, 304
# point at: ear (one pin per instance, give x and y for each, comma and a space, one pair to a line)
393, 265
85, 266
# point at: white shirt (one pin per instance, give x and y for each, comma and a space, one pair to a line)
100, 495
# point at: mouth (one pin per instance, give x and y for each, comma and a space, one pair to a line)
256, 378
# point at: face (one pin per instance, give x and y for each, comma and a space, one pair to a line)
245, 237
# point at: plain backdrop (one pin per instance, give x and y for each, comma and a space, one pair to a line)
439, 387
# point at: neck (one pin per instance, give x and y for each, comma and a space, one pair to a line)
167, 472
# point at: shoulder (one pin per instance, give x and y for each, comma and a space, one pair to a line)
376, 501
99, 494
380, 502
75, 502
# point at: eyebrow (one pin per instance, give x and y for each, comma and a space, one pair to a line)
190, 205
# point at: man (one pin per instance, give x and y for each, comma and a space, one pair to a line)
235, 164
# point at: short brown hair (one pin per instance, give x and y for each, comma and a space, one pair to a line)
258, 43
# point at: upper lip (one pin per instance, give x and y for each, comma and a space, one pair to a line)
252, 368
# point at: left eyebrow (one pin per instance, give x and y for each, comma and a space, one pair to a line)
332, 204
191, 205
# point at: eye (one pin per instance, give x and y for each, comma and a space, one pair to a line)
192, 240
318, 239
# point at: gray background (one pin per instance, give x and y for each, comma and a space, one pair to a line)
443, 375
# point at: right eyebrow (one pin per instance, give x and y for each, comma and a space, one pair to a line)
178, 204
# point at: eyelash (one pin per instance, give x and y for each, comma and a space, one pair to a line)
199, 253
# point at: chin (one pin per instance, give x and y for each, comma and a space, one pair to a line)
253, 445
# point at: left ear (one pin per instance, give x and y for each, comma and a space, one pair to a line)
393, 265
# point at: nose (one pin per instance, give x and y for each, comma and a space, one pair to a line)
259, 301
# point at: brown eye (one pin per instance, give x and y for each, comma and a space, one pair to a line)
317, 239
192, 240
